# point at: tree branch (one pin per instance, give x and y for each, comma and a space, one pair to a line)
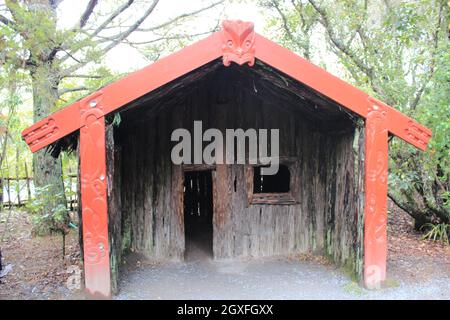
105, 23
119, 39
181, 16
172, 37
126, 33
7, 22
303, 24
405, 207
55, 3
284, 19
114, 15
86, 76
430, 74
337, 43
87, 13
67, 90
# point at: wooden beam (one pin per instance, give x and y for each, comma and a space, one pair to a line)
222, 44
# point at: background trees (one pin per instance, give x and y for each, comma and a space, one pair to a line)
55, 62
397, 51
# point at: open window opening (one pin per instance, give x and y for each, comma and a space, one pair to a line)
281, 188
198, 213
277, 183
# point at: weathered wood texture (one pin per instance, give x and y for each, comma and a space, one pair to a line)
79, 206
327, 219
114, 205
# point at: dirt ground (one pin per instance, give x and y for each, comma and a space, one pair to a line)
416, 269
409, 257
39, 270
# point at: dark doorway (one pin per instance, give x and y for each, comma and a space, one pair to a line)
198, 213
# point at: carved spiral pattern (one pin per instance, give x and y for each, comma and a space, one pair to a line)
375, 238
41, 132
94, 200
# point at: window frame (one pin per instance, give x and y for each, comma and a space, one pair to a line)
281, 198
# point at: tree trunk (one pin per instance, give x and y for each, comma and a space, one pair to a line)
47, 169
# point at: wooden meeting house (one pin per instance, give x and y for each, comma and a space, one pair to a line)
329, 196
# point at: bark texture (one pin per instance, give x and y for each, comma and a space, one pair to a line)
47, 169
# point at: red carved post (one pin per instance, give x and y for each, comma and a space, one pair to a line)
375, 212
94, 200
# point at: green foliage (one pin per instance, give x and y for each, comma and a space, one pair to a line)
47, 218
355, 289
437, 232
397, 51
423, 178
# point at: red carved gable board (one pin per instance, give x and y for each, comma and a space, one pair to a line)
236, 42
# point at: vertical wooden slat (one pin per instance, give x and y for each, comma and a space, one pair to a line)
324, 173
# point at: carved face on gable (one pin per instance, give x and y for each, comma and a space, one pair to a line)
238, 42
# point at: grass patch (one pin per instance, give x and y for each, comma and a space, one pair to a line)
354, 288
391, 283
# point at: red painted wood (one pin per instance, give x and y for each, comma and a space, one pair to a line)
404, 127
125, 90
94, 203
313, 76
375, 209
338, 90
238, 43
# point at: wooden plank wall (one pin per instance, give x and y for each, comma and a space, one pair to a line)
116, 238
327, 220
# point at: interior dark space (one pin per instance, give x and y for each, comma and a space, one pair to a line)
260, 81
198, 212
277, 183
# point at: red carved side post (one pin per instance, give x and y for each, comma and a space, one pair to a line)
94, 201
375, 212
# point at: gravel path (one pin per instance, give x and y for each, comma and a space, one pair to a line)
264, 279
417, 269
